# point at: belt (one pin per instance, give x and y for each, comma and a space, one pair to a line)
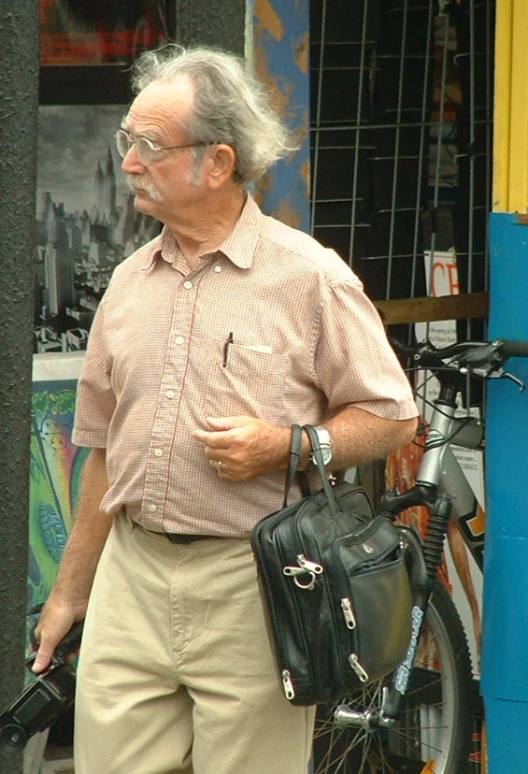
175, 537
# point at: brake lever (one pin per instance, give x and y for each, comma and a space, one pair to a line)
494, 374
513, 378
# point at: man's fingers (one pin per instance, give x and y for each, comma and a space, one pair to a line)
228, 423
42, 659
221, 435
219, 440
55, 623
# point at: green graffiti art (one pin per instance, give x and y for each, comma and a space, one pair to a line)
55, 470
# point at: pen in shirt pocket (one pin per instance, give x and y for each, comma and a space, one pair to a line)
227, 343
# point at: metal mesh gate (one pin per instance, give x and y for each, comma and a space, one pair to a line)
401, 137
401, 150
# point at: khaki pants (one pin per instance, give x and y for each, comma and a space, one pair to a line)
176, 673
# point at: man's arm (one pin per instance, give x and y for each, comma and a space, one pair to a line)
248, 447
68, 600
359, 436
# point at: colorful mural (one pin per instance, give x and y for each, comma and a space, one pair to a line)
55, 470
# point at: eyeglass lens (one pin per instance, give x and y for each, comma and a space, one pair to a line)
145, 152
123, 143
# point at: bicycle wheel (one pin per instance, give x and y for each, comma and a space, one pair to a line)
433, 732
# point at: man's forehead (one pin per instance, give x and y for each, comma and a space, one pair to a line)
176, 94
160, 100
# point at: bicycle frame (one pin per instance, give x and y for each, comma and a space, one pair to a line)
440, 469
442, 487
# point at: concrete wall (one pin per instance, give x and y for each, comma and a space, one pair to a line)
18, 137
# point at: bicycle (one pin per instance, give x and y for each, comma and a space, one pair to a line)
418, 720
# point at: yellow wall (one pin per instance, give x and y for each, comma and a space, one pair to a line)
510, 152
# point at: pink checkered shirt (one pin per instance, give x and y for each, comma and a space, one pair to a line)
306, 343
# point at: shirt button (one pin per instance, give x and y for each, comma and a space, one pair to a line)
218, 269
179, 340
170, 394
187, 285
153, 508
158, 452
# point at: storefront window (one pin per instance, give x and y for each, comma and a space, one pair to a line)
76, 32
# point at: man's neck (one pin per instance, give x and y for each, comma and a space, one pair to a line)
206, 229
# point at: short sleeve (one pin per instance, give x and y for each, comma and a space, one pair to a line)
354, 361
95, 402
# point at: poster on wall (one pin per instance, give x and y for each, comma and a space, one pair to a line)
442, 276
55, 468
76, 32
86, 221
461, 573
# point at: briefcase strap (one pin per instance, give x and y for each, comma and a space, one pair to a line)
293, 462
318, 456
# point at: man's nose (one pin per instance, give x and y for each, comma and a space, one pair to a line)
131, 163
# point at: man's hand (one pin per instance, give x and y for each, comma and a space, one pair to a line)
55, 622
245, 447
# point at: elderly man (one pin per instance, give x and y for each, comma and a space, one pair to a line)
209, 342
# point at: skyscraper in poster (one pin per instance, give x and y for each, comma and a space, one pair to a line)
78, 250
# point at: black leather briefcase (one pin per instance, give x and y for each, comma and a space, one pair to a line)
334, 586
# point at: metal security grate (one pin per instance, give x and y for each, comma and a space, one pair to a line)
401, 138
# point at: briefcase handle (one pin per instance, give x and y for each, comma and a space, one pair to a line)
318, 456
293, 462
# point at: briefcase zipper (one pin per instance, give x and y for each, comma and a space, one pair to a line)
373, 556
284, 655
348, 613
339, 652
305, 568
351, 623
287, 684
314, 567
358, 669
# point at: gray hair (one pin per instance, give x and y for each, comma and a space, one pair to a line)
230, 106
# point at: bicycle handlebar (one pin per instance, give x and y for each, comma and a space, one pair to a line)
515, 348
480, 359
470, 354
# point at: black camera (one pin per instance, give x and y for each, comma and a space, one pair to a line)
42, 701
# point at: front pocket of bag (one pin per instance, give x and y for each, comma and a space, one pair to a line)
376, 610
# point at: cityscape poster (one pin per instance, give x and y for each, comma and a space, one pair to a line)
86, 220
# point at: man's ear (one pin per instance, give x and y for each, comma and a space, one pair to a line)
221, 165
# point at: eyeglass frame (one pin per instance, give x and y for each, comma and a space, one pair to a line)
152, 147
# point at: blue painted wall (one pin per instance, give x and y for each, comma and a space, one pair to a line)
504, 683
278, 41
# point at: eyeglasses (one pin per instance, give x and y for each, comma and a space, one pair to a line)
146, 150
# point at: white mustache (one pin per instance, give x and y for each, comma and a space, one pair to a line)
135, 183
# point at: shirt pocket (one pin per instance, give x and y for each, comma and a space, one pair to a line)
244, 380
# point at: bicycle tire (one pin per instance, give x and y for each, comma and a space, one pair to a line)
440, 691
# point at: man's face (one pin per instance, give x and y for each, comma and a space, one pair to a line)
170, 184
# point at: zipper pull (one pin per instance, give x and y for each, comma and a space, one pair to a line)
305, 568
348, 613
308, 565
287, 684
358, 669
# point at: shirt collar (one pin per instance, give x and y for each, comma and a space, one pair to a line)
238, 247
241, 243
